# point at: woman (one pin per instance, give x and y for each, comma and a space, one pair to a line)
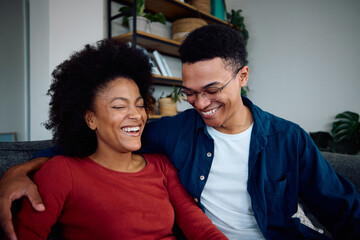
101, 189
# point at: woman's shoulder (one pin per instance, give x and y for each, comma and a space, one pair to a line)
158, 160
56, 166
155, 157
56, 173
58, 161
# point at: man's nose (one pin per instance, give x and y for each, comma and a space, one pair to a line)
201, 101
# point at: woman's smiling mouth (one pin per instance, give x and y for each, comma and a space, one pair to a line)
132, 131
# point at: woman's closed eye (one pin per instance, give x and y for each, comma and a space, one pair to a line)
118, 107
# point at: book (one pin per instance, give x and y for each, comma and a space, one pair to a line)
160, 62
168, 71
154, 69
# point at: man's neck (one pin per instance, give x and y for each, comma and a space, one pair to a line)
239, 122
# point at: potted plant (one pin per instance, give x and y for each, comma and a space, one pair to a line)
167, 105
158, 24
344, 137
235, 18
142, 23
346, 131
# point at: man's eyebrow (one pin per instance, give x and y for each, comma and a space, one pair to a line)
206, 86
210, 85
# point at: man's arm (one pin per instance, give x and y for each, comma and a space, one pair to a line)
14, 184
331, 198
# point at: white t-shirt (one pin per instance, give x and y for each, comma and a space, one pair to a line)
225, 197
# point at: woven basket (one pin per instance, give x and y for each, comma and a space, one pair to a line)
202, 5
167, 107
182, 27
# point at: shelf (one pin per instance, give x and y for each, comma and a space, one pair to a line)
162, 80
175, 9
157, 116
153, 42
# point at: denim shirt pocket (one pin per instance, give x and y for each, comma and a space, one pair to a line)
276, 187
278, 196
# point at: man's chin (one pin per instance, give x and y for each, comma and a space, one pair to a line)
213, 122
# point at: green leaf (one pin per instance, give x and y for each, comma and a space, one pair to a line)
140, 7
347, 127
157, 17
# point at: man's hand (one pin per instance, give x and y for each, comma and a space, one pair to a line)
15, 184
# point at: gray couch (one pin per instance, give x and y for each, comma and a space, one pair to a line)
19, 152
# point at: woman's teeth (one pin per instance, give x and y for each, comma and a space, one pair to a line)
131, 129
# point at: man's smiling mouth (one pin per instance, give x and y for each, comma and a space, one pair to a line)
210, 112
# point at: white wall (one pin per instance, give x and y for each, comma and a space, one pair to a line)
12, 68
74, 24
39, 67
304, 58
58, 28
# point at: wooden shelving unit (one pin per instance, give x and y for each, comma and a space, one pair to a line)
175, 9
156, 116
168, 81
152, 42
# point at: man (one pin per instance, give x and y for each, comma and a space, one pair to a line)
245, 168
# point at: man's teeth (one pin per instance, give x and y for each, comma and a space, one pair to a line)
131, 129
209, 112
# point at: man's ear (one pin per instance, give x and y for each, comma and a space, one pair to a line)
244, 75
90, 119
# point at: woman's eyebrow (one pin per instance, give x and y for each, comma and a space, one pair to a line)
125, 99
139, 98
119, 98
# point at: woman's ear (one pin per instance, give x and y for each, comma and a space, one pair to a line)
90, 119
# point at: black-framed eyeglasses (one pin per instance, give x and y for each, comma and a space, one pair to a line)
212, 92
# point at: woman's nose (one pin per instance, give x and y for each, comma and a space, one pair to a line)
134, 114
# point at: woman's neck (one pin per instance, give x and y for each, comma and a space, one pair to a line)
121, 162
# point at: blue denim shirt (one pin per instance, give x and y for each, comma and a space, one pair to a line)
284, 165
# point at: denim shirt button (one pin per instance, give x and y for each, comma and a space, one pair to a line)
196, 200
209, 154
202, 177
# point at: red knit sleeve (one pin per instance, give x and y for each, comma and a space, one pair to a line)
189, 217
54, 184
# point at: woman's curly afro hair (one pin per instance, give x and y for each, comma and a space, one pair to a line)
213, 41
76, 82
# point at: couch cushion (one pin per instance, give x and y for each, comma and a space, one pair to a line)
347, 165
12, 153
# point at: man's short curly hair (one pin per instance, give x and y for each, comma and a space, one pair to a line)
213, 41
76, 82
